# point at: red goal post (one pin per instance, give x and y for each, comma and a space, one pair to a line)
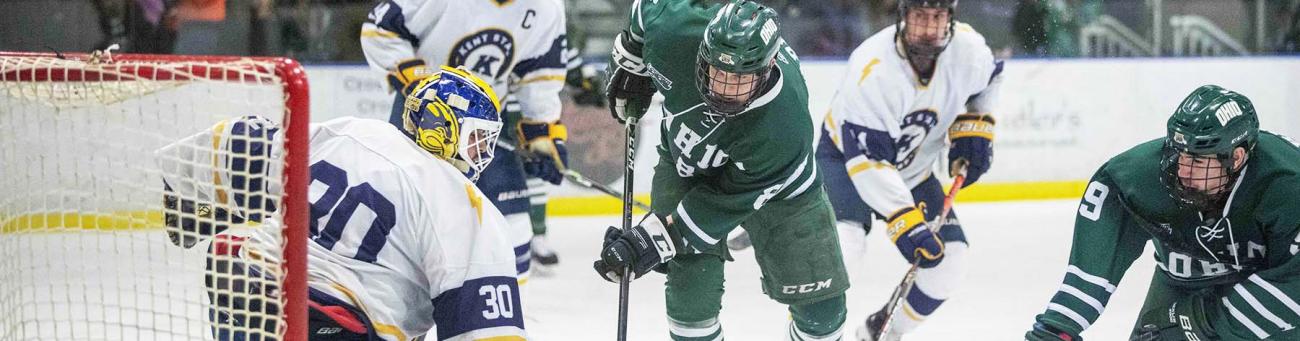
82, 249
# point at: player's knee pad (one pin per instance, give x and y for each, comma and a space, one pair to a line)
821, 320
941, 280
705, 330
693, 290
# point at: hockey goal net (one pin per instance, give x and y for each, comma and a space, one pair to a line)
85, 253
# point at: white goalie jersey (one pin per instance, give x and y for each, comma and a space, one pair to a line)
398, 234
897, 126
518, 46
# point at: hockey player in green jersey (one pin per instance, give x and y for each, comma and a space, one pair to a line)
736, 151
1224, 225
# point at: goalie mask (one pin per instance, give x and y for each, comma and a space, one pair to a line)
925, 27
455, 116
1201, 161
736, 56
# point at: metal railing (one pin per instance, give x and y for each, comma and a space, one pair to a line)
1194, 35
1107, 37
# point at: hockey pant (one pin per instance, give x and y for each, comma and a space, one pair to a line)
797, 251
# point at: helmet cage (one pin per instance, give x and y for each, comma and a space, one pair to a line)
906, 33
735, 91
1197, 181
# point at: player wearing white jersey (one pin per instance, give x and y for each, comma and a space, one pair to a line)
518, 46
401, 240
913, 90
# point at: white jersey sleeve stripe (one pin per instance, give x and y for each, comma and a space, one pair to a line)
686, 218
1259, 307
1078, 319
1097, 280
1244, 320
1082, 296
1282, 297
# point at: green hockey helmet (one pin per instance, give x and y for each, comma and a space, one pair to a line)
1202, 136
737, 55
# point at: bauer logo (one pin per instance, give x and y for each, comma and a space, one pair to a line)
489, 53
806, 287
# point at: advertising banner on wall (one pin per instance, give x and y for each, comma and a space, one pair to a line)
1057, 120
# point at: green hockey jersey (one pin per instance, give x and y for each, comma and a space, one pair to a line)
733, 165
1245, 260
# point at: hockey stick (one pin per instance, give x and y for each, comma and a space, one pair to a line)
580, 180
629, 141
905, 287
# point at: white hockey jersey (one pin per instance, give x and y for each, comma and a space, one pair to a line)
516, 45
891, 127
402, 236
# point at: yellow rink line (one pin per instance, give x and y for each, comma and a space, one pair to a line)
557, 206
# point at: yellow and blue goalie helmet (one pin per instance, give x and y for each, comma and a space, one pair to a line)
456, 116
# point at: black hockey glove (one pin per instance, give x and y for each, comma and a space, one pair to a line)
629, 89
1042, 332
972, 144
643, 248
1185, 319
588, 84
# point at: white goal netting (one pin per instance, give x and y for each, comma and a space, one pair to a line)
85, 253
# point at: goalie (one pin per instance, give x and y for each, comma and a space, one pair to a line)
428, 246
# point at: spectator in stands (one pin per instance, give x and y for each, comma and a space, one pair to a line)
139, 26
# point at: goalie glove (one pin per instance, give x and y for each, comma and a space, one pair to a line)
1185, 319
546, 156
642, 248
971, 136
408, 73
907, 229
629, 89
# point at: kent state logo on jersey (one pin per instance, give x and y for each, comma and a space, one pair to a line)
488, 53
916, 126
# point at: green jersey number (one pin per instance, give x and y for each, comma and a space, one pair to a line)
1093, 198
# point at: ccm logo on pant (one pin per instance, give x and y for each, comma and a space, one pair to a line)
806, 287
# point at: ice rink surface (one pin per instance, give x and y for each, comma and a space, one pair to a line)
1018, 257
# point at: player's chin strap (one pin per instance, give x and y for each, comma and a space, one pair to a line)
1227, 206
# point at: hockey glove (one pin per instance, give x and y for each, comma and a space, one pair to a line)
1186, 319
972, 144
545, 156
587, 82
907, 229
643, 248
629, 89
408, 73
1042, 332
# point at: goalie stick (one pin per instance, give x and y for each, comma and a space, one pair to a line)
905, 287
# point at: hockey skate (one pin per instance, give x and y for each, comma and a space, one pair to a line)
542, 252
866, 331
